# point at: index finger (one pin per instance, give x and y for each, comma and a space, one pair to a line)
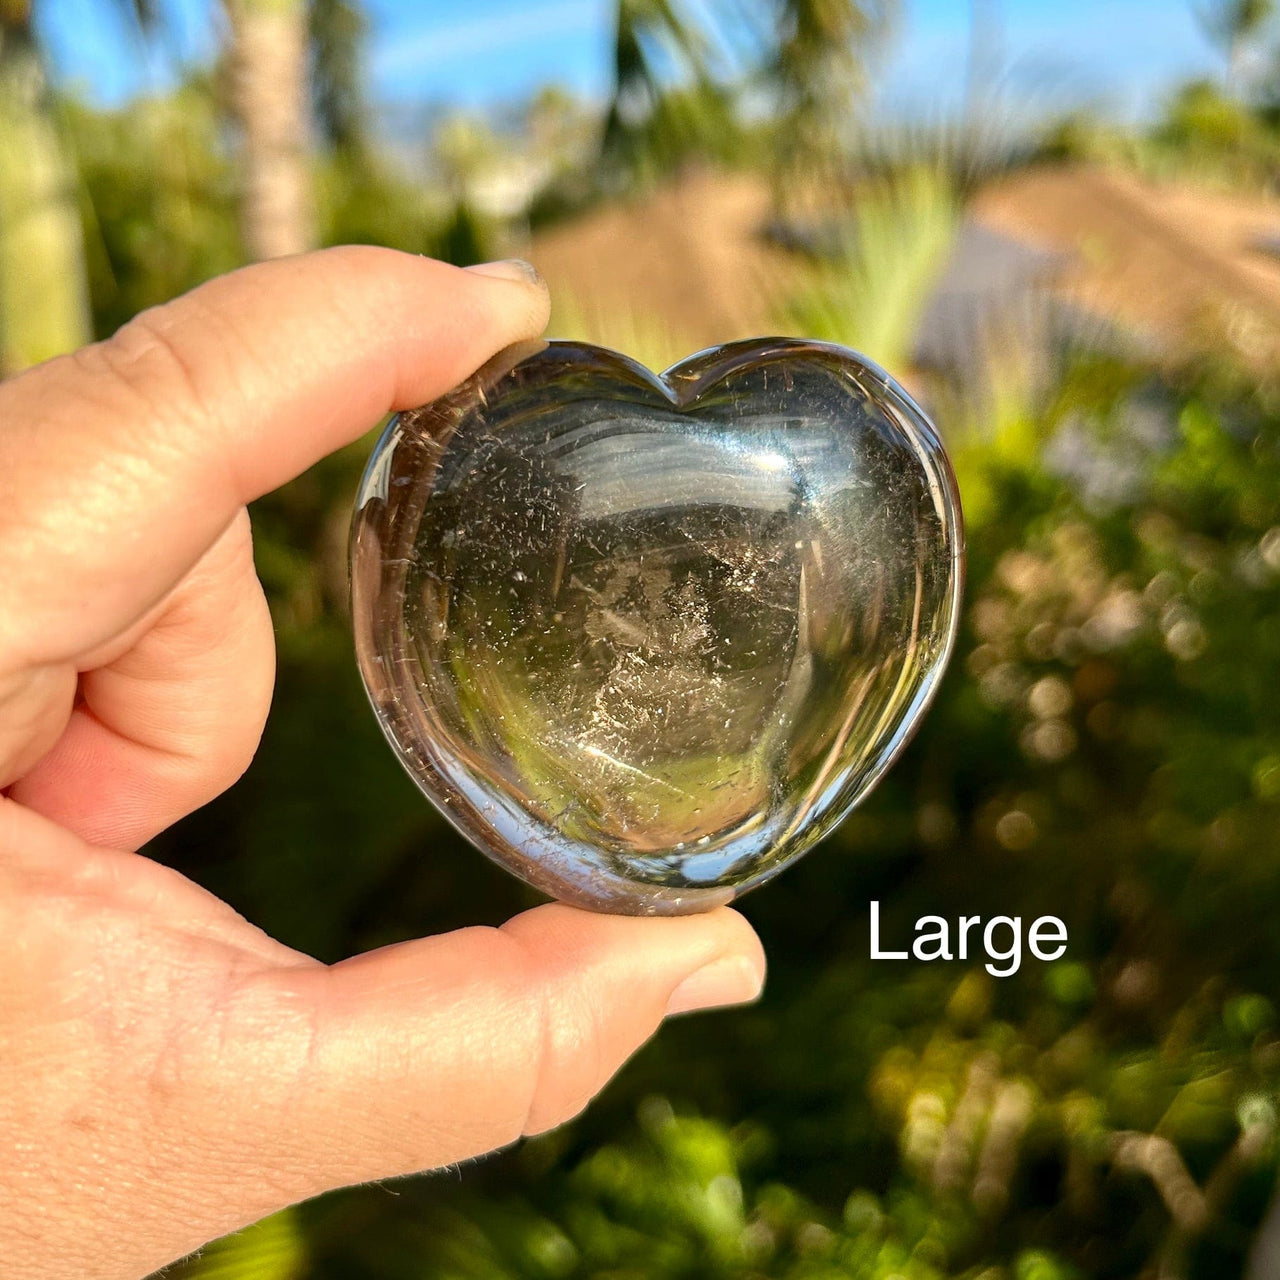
122, 463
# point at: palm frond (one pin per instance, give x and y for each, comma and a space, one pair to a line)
873, 295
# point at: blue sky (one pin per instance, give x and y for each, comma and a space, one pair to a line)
1123, 53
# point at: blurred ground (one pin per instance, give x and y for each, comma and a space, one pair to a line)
1171, 263
1166, 259
691, 253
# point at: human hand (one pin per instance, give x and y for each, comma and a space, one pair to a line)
168, 1072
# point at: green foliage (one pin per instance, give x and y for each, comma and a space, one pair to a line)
816, 70
678, 1200
337, 31
158, 199
655, 43
273, 1249
43, 305
562, 134
872, 297
363, 200
683, 88
464, 238
158, 202
1201, 116
1082, 136
1212, 134
1207, 133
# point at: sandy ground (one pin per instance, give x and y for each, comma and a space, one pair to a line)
686, 266
1175, 262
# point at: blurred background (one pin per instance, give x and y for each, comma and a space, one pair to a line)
1059, 224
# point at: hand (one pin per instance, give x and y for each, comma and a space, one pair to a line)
169, 1073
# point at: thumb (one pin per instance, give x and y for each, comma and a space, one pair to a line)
434, 1051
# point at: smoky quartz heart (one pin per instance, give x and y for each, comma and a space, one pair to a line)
645, 639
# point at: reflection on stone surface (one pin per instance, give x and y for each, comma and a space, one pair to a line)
645, 640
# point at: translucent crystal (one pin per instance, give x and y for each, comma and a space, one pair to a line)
645, 639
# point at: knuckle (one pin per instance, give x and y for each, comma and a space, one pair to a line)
146, 358
248, 1035
169, 381
566, 1039
574, 1066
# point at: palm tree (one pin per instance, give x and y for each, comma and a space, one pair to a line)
816, 75
338, 29
656, 45
44, 308
818, 66
1235, 25
268, 101
806, 57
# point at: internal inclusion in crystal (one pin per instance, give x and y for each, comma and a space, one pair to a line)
645, 641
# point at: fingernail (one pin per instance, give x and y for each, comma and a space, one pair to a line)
508, 269
729, 980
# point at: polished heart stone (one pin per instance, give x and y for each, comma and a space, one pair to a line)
645, 639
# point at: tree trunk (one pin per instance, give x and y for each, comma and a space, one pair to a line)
268, 99
44, 307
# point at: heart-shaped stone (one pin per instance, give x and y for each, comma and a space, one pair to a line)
645, 639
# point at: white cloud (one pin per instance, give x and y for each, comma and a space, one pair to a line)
478, 37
